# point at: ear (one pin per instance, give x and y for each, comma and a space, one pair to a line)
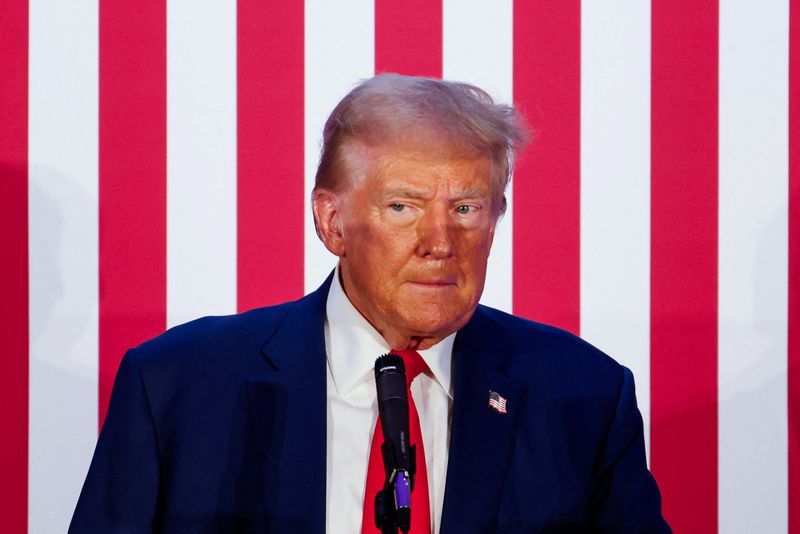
326, 205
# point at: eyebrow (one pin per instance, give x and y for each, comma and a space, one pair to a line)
475, 192
404, 193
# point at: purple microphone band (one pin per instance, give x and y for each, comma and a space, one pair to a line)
402, 490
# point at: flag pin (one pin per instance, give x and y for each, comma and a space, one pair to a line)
497, 402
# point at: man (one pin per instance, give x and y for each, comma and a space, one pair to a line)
263, 422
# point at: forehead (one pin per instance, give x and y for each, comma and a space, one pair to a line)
423, 165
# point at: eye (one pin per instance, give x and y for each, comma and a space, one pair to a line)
464, 209
397, 206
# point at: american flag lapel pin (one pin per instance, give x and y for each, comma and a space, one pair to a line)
497, 402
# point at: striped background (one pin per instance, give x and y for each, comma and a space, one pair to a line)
156, 158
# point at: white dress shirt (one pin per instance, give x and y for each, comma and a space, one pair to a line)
352, 345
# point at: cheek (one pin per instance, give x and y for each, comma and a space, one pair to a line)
473, 266
474, 248
378, 255
387, 244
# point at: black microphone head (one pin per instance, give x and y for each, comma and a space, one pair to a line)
390, 382
389, 363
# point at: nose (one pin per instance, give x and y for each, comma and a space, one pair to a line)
435, 238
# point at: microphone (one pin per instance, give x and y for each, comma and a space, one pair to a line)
393, 504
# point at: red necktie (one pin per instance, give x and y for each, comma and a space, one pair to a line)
420, 503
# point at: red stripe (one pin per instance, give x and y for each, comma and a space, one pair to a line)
794, 267
133, 150
270, 152
14, 267
684, 261
408, 37
547, 42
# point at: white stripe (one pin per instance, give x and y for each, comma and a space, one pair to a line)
63, 245
339, 52
339, 43
201, 159
478, 40
615, 185
753, 272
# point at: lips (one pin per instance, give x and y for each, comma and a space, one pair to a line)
437, 282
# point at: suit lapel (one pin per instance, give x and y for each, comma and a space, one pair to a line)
288, 419
481, 438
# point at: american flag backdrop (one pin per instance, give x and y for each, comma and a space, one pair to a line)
157, 156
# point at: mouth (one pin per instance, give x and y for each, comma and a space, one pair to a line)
435, 283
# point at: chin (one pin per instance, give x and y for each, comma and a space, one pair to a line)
436, 324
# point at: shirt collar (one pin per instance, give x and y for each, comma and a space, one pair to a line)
355, 344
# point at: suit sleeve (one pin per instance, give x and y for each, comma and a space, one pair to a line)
625, 496
120, 493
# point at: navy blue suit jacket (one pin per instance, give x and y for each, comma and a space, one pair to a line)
219, 425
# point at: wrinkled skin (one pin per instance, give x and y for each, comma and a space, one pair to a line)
412, 227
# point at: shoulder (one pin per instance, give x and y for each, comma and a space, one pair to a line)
221, 330
201, 366
210, 347
550, 356
241, 333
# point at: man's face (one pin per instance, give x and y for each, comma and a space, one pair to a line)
416, 225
